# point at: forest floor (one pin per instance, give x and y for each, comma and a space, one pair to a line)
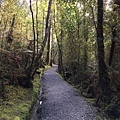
18, 101
60, 101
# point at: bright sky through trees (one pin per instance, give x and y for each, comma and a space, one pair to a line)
25, 0
108, 7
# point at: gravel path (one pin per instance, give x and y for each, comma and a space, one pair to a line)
60, 101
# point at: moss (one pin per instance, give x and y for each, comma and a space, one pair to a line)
98, 117
17, 118
18, 101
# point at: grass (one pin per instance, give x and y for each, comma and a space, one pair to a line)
18, 101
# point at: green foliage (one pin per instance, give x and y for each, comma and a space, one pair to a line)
17, 118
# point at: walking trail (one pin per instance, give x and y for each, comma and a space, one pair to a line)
60, 101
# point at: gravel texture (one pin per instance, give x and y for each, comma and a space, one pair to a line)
60, 101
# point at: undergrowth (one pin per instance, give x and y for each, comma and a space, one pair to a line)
18, 101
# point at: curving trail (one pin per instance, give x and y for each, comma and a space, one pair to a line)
60, 101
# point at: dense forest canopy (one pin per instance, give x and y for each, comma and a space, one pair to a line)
81, 36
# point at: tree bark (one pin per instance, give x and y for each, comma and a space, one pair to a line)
60, 61
9, 36
37, 24
48, 47
51, 52
103, 74
31, 66
33, 27
46, 29
85, 43
112, 45
5, 26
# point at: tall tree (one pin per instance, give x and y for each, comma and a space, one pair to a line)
9, 37
33, 28
104, 80
37, 34
112, 45
48, 46
46, 29
59, 37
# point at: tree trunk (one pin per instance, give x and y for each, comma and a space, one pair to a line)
46, 29
112, 45
59, 43
48, 48
51, 52
31, 66
60, 60
33, 28
85, 43
60, 63
103, 75
10, 36
43, 26
37, 24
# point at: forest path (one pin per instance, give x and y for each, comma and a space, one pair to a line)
60, 101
